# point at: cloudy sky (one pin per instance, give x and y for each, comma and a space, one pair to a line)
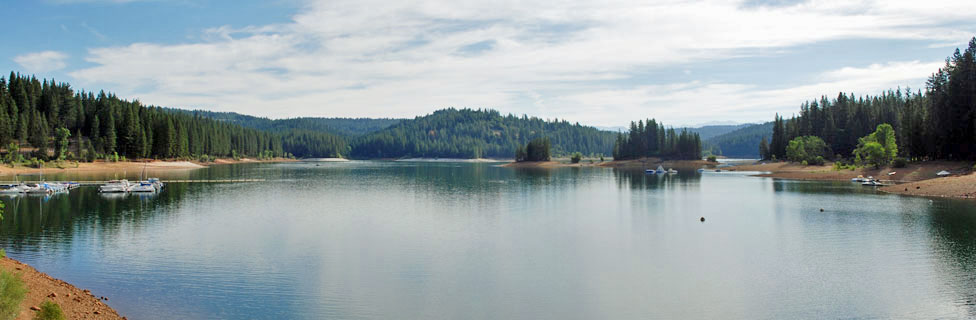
601, 63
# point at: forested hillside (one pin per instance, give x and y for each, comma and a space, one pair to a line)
43, 114
741, 143
939, 123
348, 127
711, 131
467, 133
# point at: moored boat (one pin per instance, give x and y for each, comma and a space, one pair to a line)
143, 186
115, 186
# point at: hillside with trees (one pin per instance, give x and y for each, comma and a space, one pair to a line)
469, 133
654, 140
937, 123
39, 114
346, 127
742, 143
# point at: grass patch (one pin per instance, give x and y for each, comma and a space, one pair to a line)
12, 291
49, 311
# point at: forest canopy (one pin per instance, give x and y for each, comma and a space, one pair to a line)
937, 123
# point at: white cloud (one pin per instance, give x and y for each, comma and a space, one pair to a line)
44, 61
697, 102
566, 59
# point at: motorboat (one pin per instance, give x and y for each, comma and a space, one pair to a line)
158, 184
872, 183
660, 170
33, 188
672, 171
12, 189
115, 186
143, 186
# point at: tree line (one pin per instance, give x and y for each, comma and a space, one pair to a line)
38, 114
937, 123
652, 139
470, 133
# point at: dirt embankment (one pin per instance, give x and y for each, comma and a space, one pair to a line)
75, 303
918, 178
132, 166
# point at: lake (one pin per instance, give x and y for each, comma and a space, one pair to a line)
400, 240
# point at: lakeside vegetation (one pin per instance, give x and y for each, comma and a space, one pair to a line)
936, 124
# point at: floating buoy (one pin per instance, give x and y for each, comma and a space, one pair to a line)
702, 219
821, 209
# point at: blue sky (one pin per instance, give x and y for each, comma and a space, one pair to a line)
600, 63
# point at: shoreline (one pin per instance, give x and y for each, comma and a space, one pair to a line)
154, 165
75, 302
915, 179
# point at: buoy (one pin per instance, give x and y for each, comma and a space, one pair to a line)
821, 209
702, 219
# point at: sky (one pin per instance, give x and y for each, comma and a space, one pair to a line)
601, 63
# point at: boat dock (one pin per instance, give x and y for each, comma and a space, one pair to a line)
95, 183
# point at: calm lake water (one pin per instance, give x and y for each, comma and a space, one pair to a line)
393, 240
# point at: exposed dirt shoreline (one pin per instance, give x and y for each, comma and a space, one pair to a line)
916, 179
75, 303
132, 166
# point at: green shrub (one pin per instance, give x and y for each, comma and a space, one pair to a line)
804, 163
899, 162
49, 311
12, 291
712, 159
576, 157
819, 161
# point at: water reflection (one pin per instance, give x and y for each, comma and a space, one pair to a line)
426, 240
954, 242
31, 221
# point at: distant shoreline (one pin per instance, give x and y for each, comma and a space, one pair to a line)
643, 163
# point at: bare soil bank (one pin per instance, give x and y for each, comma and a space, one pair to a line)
75, 303
918, 178
131, 166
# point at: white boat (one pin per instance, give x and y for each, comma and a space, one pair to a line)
701, 169
156, 183
672, 171
115, 186
34, 188
143, 186
872, 183
660, 169
943, 173
12, 189
649, 171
